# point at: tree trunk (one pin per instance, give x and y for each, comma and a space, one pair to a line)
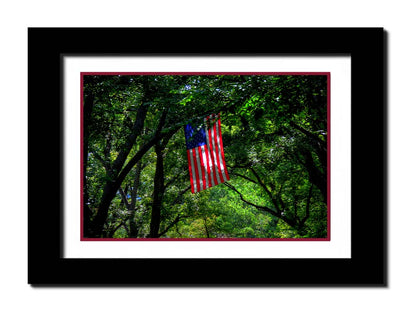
315, 175
158, 191
111, 187
133, 230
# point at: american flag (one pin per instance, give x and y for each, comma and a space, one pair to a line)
205, 154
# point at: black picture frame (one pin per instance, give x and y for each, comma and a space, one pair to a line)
368, 263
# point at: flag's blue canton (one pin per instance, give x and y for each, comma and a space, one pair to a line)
194, 137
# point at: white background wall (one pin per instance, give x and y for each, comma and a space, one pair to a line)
397, 17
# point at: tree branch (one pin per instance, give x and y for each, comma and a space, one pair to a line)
246, 166
180, 195
131, 139
136, 184
105, 164
264, 186
263, 208
114, 229
171, 181
124, 197
177, 219
242, 176
307, 133
308, 204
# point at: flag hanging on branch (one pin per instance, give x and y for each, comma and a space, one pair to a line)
205, 154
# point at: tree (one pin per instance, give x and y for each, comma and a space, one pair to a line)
286, 118
274, 139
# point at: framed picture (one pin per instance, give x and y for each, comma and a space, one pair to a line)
207, 156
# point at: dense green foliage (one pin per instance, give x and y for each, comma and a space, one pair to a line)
136, 180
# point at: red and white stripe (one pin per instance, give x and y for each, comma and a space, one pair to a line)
206, 163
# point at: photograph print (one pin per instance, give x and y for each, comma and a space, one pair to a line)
205, 156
